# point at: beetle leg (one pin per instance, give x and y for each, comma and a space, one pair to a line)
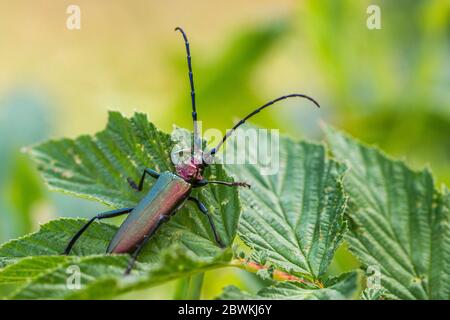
204, 182
139, 187
204, 210
104, 215
161, 220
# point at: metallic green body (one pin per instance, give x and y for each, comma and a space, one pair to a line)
164, 198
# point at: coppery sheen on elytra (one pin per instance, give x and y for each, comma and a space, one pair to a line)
165, 197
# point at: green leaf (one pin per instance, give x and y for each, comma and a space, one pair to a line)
96, 167
29, 268
53, 237
294, 218
44, 276
345, 287
102, 276
372, 294
399, 222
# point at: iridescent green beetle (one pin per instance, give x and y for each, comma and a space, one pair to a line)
170, 191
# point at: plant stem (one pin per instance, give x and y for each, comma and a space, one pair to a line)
276, 274
195, 286
182, 288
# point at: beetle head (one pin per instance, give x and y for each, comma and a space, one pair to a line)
190, 171
187, 166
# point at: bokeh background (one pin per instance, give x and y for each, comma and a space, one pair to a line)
390, 86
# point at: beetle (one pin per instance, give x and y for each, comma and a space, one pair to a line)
171, 190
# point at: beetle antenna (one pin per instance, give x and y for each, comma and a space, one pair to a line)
195, 142
241, 122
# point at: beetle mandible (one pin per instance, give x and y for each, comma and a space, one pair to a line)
170, 191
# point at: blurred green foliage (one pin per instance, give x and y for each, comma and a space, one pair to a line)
388, 86
22, 122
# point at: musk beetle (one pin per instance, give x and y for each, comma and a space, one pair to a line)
170, 191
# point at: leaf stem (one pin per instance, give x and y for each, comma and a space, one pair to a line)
195, 286
277, 275
182, 288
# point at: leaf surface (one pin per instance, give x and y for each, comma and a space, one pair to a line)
347, 287
399, 222
294, 218
39, 273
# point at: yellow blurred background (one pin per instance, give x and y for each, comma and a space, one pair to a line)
389, 86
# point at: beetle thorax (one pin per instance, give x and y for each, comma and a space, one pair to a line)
190, 171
